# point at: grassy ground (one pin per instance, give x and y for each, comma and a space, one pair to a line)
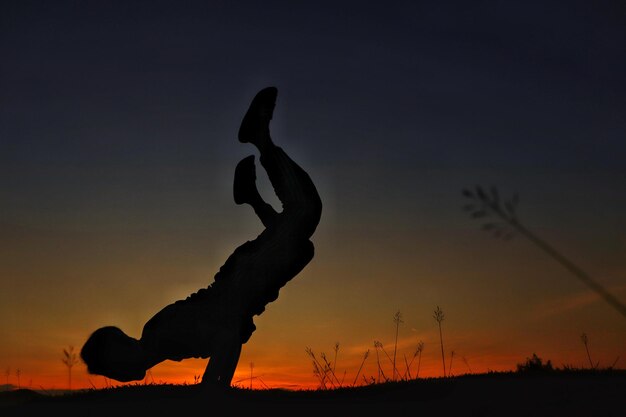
588, 394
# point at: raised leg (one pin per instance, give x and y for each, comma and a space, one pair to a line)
293, 186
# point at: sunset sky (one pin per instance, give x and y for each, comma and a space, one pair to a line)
118, 143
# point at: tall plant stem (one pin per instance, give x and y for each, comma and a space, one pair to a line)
419, 362
589, 357
395, 346
560, 258
443, 358
575, 270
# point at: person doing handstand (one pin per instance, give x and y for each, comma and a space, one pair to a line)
216, 321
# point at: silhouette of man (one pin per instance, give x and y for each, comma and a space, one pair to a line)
215, 321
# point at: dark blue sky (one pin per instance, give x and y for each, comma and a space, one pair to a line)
125, 97
118, 125
523, 82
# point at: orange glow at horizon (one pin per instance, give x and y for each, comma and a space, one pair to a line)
301, 378
276, 372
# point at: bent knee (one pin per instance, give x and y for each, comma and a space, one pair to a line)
303, 222
308, 211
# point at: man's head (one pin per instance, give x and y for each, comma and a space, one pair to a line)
112, 353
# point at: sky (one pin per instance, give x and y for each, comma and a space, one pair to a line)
118, 142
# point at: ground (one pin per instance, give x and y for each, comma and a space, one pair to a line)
588, 394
